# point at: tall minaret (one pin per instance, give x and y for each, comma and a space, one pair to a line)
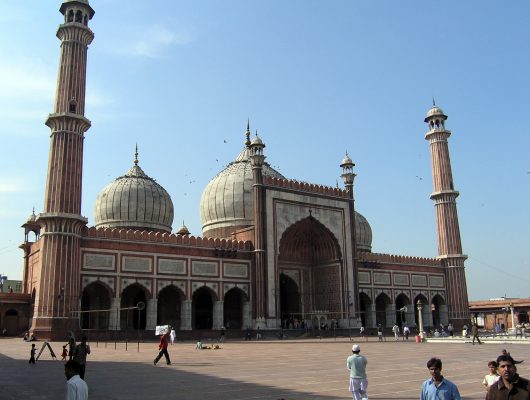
57, 290
350, 284
444, 196
257, 159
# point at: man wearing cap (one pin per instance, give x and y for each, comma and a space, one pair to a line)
357, 366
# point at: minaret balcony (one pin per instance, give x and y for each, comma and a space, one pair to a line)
68, 122
445, 196
437, 134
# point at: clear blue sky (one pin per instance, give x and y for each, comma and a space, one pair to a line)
316, 79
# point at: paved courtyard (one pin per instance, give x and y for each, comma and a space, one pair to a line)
290, 369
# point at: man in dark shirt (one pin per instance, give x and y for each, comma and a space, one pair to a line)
79, 356
510, 386
474, 332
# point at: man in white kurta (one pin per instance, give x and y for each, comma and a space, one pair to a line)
76, 388
357, 366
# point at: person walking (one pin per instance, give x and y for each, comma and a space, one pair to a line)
406, 332
172, 335
361, 333
437, 387
64, 354
32, 354
474, 332
164, 340
510, 386
395, 330
356, 364
80, 353
380, 332
71, 347
76, 388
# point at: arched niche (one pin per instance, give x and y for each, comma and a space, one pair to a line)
95, 300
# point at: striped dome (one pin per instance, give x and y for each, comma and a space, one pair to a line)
227, 201
134, 201
363, 233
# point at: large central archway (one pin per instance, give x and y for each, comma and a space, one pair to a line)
310, 249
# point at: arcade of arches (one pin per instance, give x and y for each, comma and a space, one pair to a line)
203, 311
311, 272
402, 311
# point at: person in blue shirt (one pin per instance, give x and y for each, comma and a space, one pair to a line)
438, 388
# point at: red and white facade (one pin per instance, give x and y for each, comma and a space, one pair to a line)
281, 251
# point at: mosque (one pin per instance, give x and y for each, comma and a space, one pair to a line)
273, 249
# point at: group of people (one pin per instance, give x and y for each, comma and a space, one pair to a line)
502, 382
406, 331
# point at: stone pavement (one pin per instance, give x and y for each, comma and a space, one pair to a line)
289, 369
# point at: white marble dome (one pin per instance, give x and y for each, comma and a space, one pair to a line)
363, 233
134, 201
227, 201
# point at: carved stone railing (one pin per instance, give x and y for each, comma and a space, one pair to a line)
305, 187
397, 259
164, 237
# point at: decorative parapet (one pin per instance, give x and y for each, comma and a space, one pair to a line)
396, 259
164, 237
304, 187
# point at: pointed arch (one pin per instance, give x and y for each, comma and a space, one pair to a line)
94, 299
233, 308
439, 311
308, 239
425, 313
365, 307
169, 304
382, 306
309, 247
130, 297
202, 308
402, 302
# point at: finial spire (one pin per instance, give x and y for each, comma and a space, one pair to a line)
433, 102
247, 133
136, 154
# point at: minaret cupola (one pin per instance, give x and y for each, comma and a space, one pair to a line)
435, 117
347, 171
77, 11
256, 151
